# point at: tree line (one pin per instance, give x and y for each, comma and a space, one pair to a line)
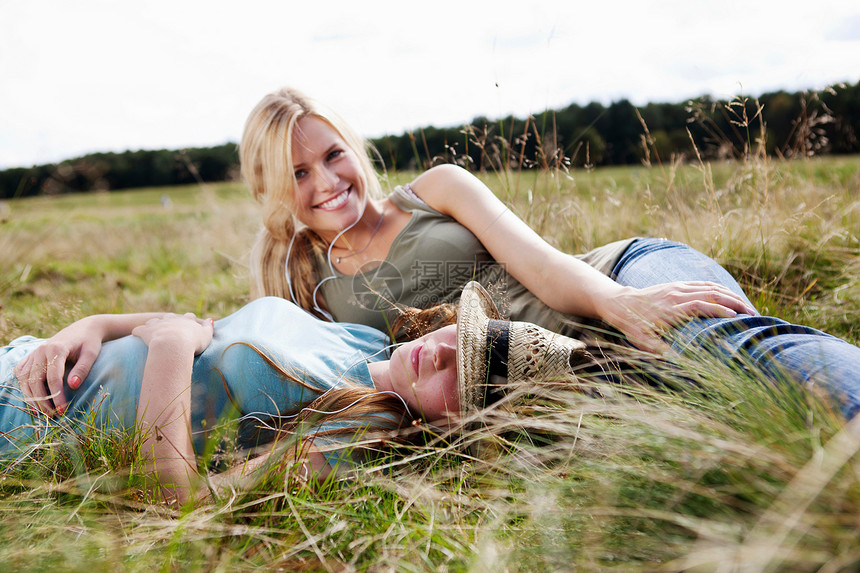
126, 170
782, 124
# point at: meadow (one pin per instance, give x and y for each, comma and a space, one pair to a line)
713, 471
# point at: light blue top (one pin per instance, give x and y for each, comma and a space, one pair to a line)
229, 374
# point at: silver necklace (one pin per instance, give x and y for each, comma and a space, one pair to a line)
364, 248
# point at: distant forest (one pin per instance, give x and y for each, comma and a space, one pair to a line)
793, 124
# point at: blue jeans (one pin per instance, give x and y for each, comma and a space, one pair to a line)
781, 350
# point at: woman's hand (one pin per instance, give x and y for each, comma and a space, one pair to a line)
41, 373
644, 315
187, 329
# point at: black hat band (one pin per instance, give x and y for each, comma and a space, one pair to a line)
498, 342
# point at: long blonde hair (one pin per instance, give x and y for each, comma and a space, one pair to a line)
383, 415
355, 413
266, 158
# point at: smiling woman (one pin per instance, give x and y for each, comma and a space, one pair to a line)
447, 227
331, 244
331, 189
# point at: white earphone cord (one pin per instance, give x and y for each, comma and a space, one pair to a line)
333, 275
262, 421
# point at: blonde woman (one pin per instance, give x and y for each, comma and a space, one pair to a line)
336, 247
331, 243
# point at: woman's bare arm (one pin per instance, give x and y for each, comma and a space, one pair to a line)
164, 407
562, 281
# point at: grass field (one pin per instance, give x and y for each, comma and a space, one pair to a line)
724, 474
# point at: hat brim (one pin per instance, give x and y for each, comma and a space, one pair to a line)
475, 309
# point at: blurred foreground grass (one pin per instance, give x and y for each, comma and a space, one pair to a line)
712, 471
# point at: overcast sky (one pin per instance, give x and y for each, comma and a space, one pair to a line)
80, 76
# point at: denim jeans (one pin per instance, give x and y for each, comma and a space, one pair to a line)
781, 350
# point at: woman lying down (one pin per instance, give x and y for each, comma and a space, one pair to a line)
332, 387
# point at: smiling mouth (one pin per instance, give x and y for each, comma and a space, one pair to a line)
335, 202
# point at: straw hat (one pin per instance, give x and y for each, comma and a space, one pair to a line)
493, 352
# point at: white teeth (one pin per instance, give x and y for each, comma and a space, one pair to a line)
335, 202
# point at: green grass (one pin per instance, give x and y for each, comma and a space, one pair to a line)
70, 256
712, 469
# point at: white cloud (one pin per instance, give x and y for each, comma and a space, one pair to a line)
95, 75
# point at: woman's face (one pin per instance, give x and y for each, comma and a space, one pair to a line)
424, 373
331, 186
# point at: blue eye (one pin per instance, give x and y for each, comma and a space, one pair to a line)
334, 154
300, 173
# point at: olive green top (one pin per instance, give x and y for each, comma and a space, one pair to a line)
430, 262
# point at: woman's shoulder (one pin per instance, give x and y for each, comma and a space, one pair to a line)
435, 187
274, 318
405, 198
